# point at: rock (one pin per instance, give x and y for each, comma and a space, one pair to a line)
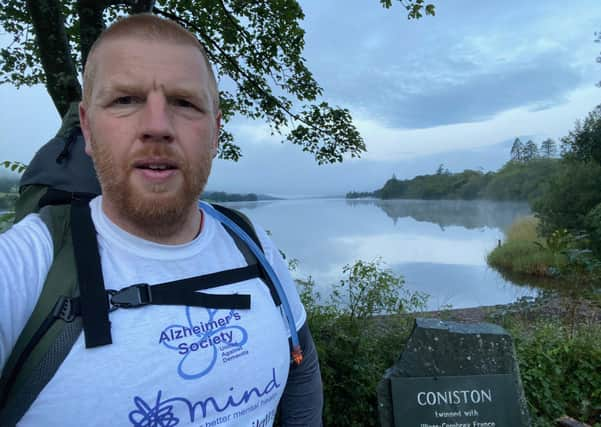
469, 352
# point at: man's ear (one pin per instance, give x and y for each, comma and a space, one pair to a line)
84, 122
215, 142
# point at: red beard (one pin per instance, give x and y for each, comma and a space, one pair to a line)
157, 212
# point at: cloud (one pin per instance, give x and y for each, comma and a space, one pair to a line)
469, 63
385, 142
475, 98
268, 166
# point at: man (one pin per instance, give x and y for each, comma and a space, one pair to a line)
150, 118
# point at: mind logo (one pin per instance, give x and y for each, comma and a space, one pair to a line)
168, 412
208, 331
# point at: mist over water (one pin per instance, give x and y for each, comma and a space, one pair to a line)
439, 247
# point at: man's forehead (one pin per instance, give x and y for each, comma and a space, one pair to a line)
119, 83
119, 61
128, 50
116, 43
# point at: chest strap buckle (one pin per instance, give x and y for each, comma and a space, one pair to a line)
131, 297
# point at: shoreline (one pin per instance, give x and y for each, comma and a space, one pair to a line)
547, 307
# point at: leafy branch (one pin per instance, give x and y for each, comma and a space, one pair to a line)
326, 132
17, 167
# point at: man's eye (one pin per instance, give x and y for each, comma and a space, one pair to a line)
126, 100
184, 103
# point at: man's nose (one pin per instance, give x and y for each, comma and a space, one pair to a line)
156, 122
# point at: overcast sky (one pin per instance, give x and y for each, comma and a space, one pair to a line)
453, 89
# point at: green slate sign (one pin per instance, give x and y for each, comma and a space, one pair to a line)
455, 401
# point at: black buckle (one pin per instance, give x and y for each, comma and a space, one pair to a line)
131, 297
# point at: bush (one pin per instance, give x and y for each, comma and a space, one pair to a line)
7, 201
593, 225
560, 370
526, 257
570, 196
355, 346
558, 363
6, 221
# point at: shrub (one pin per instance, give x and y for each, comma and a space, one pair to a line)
593, 225
8, 200
6, 221
571, 194
560, 370
355, 346
559, 363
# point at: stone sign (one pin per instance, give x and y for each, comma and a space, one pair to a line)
454, 375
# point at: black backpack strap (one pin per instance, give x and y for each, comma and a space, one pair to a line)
93, 298
241, 221
246, 225
96, 302
184, 291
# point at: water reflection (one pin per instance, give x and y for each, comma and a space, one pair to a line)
465, 213
439, 246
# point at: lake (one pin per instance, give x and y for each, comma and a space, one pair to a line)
438, 246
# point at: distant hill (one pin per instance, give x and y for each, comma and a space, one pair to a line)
514, 181
222, 196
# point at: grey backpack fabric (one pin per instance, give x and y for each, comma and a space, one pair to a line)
62, 162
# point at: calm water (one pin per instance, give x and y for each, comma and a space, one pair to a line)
438, 246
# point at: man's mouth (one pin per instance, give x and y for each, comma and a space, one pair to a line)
158, 164
156, 169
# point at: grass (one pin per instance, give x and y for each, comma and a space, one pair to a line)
525, 257
525, 252
524, 229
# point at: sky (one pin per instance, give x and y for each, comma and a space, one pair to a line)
454, 89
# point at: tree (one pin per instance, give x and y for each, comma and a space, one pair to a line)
570, 195
584, 142
572, 199
548, 148
517, 151
530, 151
256, 48
441, 170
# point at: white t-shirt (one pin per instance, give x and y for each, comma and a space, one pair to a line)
168, 365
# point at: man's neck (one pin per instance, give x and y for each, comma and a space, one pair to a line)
180, 232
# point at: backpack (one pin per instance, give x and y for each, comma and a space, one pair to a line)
60, 180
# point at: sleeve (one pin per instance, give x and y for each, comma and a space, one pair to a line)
26, 253
302, 401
